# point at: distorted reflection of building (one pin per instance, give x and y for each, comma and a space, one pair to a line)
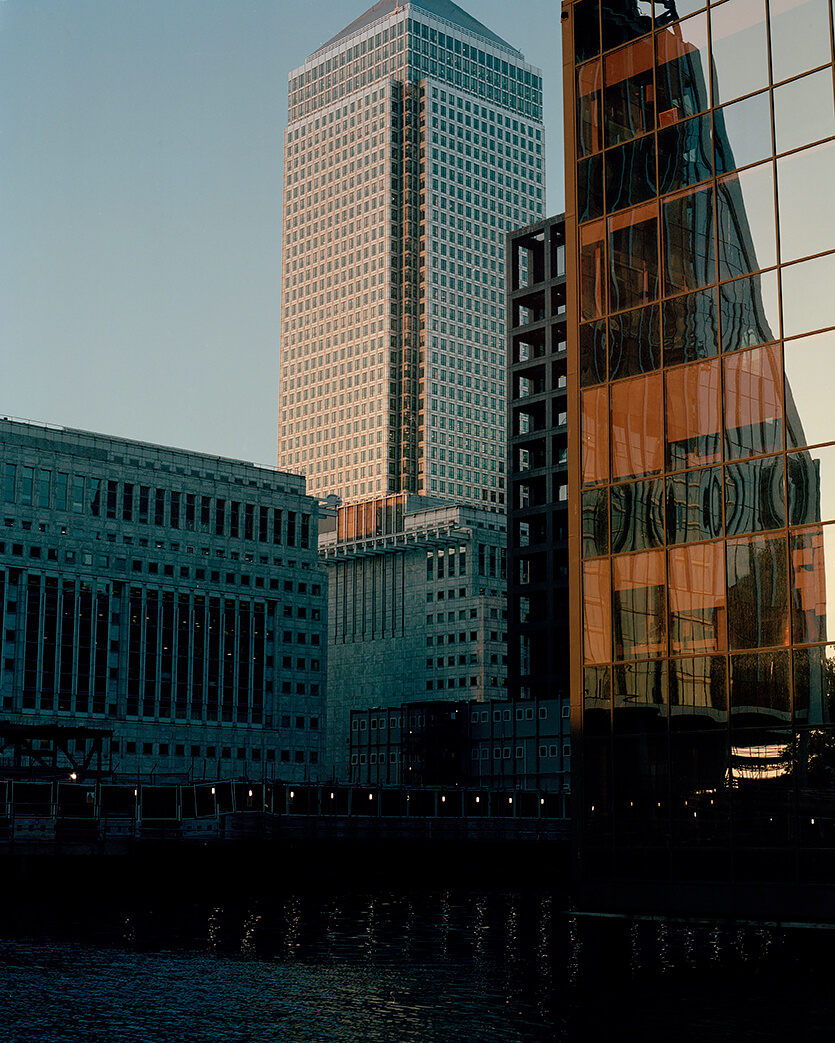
699, 270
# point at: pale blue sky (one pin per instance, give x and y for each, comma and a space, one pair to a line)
140, 206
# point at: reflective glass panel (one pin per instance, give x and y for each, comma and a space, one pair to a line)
590, 188
694, 415
666, 12
623, 23
597, 611
638, 516
694, 505
698, 693
595, 436
633, 257
592, 270
586, 29
592, 353
629, 109
760, 689
807, 550
750, 311
745, 219
689, 257
640, 696
589, 108
635, 342
639, 614
597, 697
740, 49
683, 61
807, 298
685, 154
637, 426
823, 538
806, 229
630, 174
809, 417
804, 111
690, 327
697, 598
811, 478
758, 614
755, 497
814, 687
595, 523
742, 133
799, 36
753, 402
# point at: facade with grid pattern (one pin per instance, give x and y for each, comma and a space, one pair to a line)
414, 143
172, 597
700, 232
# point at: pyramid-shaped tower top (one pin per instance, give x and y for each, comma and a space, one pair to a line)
445, 9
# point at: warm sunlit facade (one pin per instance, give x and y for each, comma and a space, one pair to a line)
414, 143
700, 221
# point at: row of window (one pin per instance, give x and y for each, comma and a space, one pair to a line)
503, 752
153, 568
82, 494
163, 749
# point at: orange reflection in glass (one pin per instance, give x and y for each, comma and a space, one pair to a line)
639, 614
592, 269
637, 426
597, 612
589, 85
754, 401
697, 598
595, 435
629, 61
809, 586
694, 415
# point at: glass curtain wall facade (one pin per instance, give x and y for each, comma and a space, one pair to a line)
701, 227
414, 144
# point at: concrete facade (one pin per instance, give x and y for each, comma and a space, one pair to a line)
416, 608
173, 598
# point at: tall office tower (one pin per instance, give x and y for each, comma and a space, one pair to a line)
414, 143
701, 257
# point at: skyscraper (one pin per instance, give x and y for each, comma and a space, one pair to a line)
414, 143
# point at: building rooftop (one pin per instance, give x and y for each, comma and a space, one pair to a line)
445, 9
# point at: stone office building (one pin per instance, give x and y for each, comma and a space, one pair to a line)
171, 597
416, 608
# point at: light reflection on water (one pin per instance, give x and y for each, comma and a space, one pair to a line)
395, 968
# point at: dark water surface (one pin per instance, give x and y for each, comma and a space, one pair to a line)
400, 966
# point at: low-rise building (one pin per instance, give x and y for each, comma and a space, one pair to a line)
416, 607
500, 743
173, 598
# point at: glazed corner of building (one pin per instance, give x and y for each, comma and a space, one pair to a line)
699, 253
